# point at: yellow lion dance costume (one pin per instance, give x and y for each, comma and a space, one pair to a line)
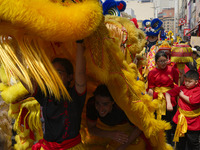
41, 30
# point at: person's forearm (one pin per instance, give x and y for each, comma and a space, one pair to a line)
169, 103
99, 132
185, 98
136, 132
168, 97
80, 59
80, 72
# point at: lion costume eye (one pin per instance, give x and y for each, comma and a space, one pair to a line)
152, 27
113, 7
113, 11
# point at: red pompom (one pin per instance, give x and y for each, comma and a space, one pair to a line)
120, 6
134, 20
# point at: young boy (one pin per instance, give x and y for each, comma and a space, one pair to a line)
187, 116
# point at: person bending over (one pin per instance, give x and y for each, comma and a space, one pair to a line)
114, 125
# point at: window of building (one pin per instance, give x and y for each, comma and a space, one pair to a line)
145, 0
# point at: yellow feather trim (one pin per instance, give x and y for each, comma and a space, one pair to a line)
14, 110
142, 60
23, 143
182, 58
3, 86
14, 93
198, 63
104, 59
3, 76
31, 118
127, 34
53, 21
109, 68
33, 63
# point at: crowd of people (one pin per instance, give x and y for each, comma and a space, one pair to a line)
180, 99
175, 91
115, 131
107, 123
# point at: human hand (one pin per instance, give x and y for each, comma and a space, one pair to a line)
181, 94
119, 136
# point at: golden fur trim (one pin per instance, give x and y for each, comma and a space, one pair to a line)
53, 21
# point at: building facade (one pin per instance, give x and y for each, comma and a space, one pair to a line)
190, 11
142, 11
167, 17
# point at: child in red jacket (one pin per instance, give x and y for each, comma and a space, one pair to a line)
187, 116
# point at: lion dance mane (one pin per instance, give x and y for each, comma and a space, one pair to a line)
34, 32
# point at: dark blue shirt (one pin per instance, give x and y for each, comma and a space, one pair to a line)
62, 118
115, 117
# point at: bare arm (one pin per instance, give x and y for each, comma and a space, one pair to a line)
168, 100
80, 72
184, 97
135, 133
96, 131
114, 135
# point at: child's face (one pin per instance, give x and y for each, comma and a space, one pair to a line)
162, 62
63, 73
190, 83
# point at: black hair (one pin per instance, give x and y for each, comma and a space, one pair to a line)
194, 52
192, 74
160, 54
197, 47
182, 42
103, 91
66, 64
